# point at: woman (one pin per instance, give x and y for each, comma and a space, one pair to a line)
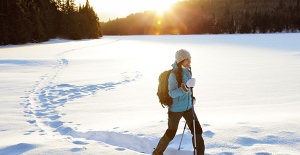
180, 89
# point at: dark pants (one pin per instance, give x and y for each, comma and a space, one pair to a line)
173, 122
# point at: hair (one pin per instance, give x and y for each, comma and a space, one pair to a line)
179, 75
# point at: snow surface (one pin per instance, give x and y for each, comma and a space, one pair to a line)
99, 96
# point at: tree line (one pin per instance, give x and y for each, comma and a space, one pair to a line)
212, 17
23, 21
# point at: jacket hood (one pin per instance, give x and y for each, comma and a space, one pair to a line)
174, 65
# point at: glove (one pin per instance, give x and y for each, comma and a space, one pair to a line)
184, 88
191, 82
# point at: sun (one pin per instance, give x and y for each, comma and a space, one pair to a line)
162, 7
161, 10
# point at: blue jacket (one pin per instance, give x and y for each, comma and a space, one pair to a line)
182, 101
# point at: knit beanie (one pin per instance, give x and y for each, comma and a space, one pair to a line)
181, 55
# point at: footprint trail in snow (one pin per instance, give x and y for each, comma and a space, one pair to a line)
42, 102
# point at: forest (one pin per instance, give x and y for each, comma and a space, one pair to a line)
24, 21
212, 17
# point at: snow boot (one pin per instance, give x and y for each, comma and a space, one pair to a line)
162, 145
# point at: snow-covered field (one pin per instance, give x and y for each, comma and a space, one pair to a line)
99, 96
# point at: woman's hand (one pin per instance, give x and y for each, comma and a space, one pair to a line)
184, 88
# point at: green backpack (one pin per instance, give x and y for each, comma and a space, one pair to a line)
162, 92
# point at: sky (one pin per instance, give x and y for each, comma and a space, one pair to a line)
98, 96
111, 9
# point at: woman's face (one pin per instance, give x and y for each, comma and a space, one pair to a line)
186, 62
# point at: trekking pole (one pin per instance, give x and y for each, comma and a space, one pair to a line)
182, 136
194, 123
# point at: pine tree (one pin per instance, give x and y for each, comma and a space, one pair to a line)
18, 21
3, 22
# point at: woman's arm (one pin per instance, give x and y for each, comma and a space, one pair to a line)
174, 90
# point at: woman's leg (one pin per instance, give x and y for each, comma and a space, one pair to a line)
188, 116
173, 121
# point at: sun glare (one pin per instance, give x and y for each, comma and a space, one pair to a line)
111, 8
162, 8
